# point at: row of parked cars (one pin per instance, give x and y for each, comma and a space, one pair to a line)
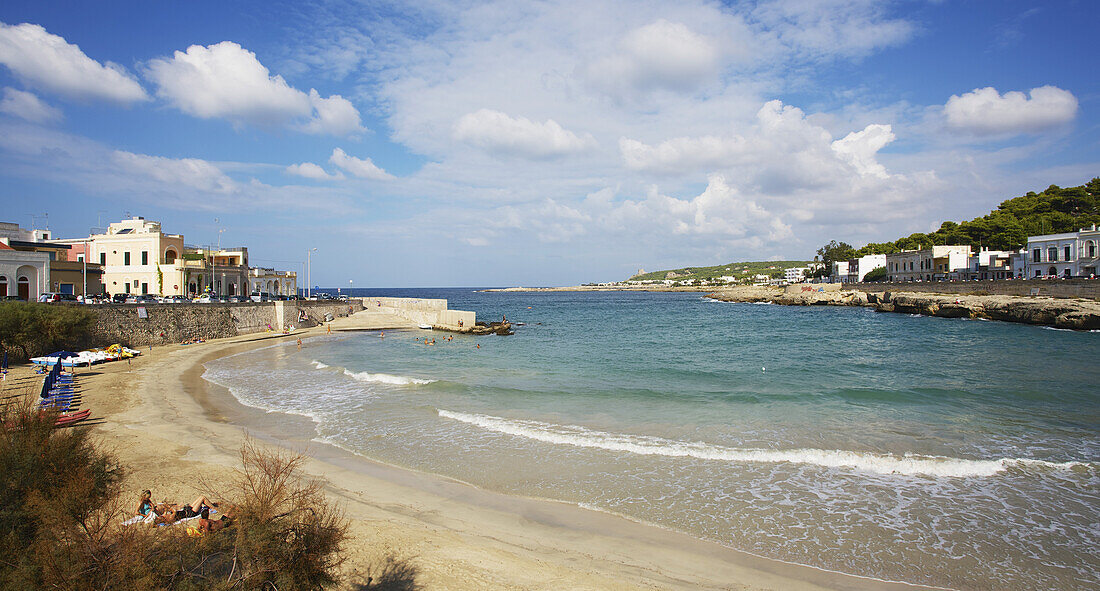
126, 298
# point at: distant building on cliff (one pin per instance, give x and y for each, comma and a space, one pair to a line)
1072, 254
939, 263
854, 270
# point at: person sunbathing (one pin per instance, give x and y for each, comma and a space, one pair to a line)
169, 513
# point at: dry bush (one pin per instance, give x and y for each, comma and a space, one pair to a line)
390, 574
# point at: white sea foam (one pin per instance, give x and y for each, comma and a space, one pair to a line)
385, 378
318, 364
908, 464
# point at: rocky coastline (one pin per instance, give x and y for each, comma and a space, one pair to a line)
1073, 314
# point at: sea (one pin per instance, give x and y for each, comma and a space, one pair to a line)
955, 453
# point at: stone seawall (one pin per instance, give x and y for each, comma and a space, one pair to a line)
1078, 314
430, 312
1058, 288
174, 323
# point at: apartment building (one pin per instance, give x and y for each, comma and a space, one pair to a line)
938, 263
271, 281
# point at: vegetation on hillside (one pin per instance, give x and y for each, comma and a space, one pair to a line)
1053, 211
742, 271
31, 329
60, 513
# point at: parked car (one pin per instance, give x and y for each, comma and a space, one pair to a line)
141, 299
119, 298
10, 298
205, 299
238, 299
175, 299
54, 297
260, 296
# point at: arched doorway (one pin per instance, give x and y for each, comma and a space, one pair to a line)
170, 256
3, 286
27, 276
1053, 272
276, 285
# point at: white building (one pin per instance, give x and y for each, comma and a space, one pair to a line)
839, 272
991, 264
270, 281
939, 263
22, 273
856, 269
795, 274
1073, 254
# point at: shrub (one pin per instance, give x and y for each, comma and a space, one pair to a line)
33, 329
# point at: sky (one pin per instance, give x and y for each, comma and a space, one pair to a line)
461, 143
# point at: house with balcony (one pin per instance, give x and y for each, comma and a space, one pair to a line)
991, 264
273, 282
1071, 254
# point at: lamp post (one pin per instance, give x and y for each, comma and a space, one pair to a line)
309, 272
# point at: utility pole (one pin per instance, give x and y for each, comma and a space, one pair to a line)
309, 272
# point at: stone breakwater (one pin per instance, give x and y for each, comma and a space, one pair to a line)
1075, 314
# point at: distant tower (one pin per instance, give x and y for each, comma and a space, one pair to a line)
640, 272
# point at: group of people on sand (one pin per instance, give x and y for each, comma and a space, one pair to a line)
167, 513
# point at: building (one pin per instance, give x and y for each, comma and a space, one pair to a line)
795, 274
991, 264
136, 257
1072, 254
854, 270
939, 263
270, 281
31, 265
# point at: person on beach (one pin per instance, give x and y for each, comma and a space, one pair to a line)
299, 344
170, 514
329, 327
145, 504
209, 526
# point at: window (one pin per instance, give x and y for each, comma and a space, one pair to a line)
1053, 272
1052, 254
144, 288
80, 258
1068, 253
1038, 272
169, 256
145, 257
1036, 255
127, 287
103, 259
3, 286
1090, 247
135, 282
126, 259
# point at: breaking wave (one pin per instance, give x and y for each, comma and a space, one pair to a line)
908, 464
385, 378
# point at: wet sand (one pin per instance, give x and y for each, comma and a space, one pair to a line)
179, 435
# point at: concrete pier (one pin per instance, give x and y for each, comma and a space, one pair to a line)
408, 313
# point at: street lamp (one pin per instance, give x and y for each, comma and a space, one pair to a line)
309, 271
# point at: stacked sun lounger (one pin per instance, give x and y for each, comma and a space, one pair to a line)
59, 393
85, 358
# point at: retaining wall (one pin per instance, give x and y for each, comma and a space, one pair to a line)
432, 312
173, 323
1058, 288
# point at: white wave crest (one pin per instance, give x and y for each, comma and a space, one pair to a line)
385, 378
908, 464
318, 364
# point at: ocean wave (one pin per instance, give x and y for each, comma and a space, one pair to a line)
384, 378
908, 464
318, 364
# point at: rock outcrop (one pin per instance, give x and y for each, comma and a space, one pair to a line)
1076, 314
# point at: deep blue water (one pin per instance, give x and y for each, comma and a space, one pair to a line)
949, 452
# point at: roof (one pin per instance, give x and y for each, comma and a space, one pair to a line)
5, 247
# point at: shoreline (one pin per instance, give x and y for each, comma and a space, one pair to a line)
178, 434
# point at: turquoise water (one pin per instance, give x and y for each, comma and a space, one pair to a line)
957, 453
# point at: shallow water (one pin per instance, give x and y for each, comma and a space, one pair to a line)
946, 452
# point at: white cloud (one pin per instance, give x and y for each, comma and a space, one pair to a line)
188, 172
227, 81
984, 111
831, 28
312, 171
28, 106
497, 132
50, 63
362, 168
662, 55
859, 148
334, 115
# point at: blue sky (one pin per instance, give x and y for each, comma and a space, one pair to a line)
538, 143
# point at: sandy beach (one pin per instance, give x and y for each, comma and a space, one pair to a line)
179, 435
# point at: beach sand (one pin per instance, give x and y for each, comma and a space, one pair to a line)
180, 436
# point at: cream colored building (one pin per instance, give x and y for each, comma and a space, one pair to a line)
1073, 254
939, 263
273, 282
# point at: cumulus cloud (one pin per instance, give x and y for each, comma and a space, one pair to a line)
662, 54
312, 171
28, 106
363, 168
498, 132
984, 111
188, 172
227, 81
859, 148
48, 62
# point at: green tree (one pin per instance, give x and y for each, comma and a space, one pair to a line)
835, 251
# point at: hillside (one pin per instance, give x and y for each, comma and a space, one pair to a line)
742, 270
1053, 211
